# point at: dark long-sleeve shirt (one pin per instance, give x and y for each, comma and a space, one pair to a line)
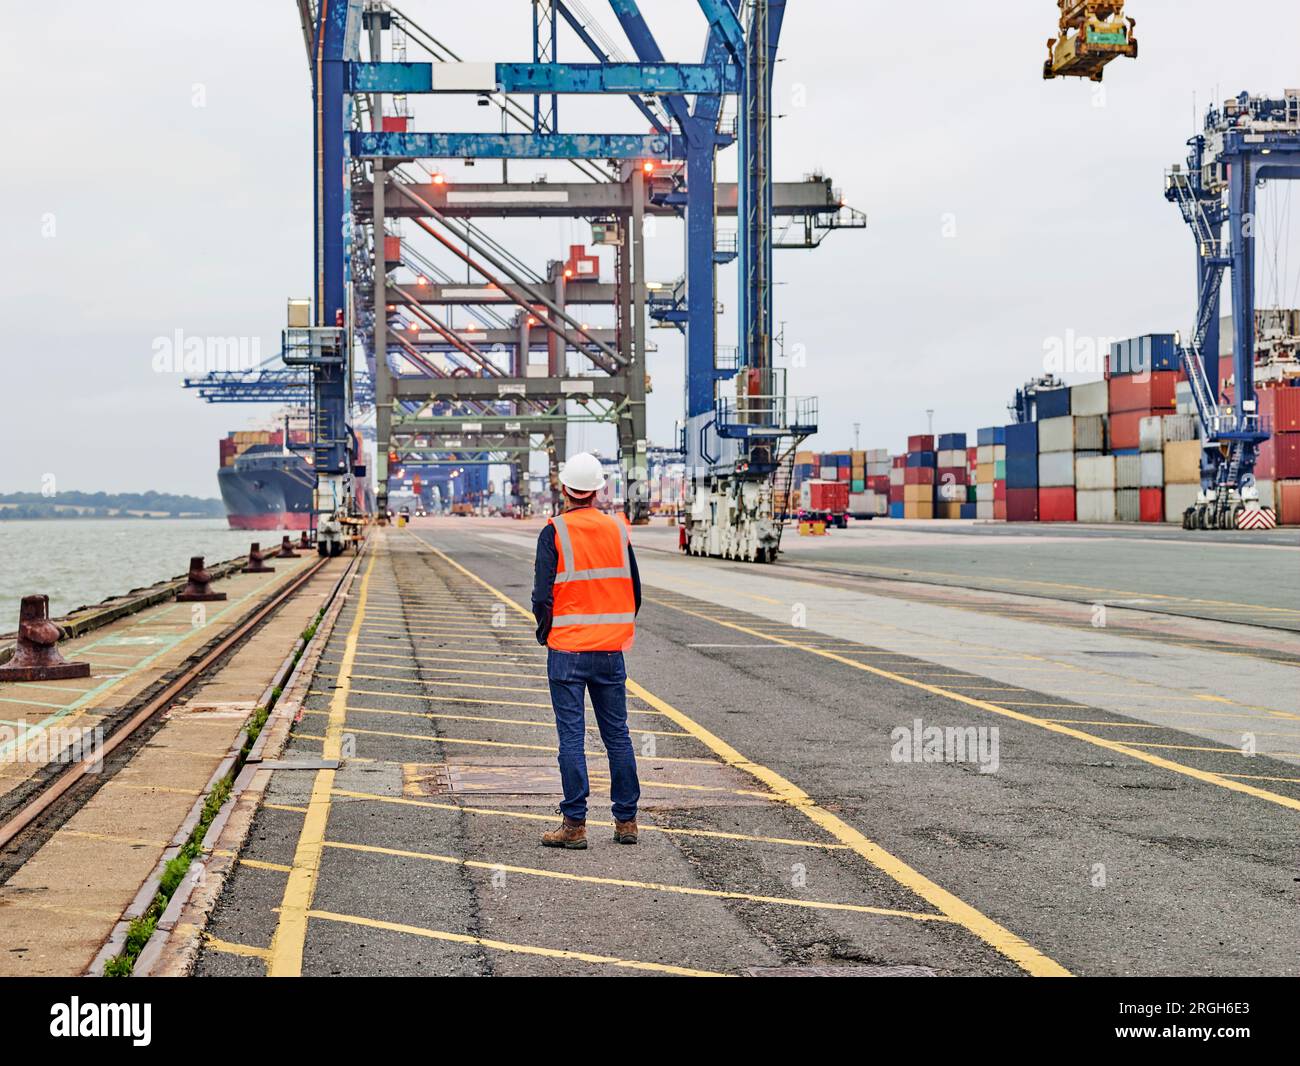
548, 561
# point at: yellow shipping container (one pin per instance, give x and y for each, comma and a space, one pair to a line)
918, 510
984, 473
1183, 462
918, 493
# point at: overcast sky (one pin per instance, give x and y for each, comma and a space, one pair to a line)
159, 169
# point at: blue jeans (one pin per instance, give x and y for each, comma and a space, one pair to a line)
602, 673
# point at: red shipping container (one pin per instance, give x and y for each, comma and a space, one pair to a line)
952, 475
878, 483
830, 496
896, 494
972, 456
1279, 457
1287, 497
1125, 426
1022, 505
922, 443
1056, 505
394, 123
1150, 392
899, 460
1151, 505
1000, 510
919, 475
1282, 409
999, 491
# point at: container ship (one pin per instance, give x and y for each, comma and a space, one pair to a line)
264, 484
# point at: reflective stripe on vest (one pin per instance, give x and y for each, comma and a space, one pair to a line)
594, 607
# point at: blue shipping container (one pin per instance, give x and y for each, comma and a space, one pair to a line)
951, 441
1139, 355
968, 510
991, 435
896, 510
1054, 403
1022, 437
1022, 470
922, 459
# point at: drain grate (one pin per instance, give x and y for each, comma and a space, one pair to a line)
839, 971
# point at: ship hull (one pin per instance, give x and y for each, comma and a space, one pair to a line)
267, 498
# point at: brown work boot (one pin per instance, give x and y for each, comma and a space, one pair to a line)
570, 834
625, 832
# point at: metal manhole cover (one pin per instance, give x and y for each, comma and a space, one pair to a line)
839, 971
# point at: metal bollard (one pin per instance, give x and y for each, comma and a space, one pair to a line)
286, 549
37, 658
256, 561
303, 542
198, 584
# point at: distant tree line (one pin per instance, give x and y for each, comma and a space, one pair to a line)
26, 505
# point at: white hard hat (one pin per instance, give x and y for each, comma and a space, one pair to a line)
582, 473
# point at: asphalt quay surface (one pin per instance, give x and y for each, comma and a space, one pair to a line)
784, 822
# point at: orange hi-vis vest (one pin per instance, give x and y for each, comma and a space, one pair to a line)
593, 607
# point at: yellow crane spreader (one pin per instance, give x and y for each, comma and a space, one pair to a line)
1093, 32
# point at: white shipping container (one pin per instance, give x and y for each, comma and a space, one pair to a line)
897, 475
983, 494
1096, 505
984, 453
1094, 473
1090, 399
1128, 472
862, 503
1267, 494
999, 452
1128, 504
829, 473
1184, 402
1153, 470
951, 457
1151, 434
1056, 470
1069, 434
1177, 499
876, 468
984, 509
1180, 427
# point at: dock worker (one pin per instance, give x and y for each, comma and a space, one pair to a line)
586, 593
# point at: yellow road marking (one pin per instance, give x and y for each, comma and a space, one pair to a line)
477, 743
682, 890
519, 949
994, 708
450, 684
499, 721
285, 807
229, 948
259, 864
1001, 939
285, 953
713, 834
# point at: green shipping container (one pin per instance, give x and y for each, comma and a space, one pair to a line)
858, 485
970, 494
1000, 470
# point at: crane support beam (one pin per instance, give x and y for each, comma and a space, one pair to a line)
516, 145
644, 79
547, 388
815, 196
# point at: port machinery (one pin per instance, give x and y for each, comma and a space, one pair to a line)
1244, 144
1091, 34
741, 427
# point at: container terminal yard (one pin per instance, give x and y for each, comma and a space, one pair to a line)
1013, 698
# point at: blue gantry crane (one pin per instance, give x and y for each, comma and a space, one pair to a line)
1247, 142
741, 427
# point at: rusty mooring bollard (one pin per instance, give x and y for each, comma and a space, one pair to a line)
198, 584
256, 561
286, 549
36, 657
303, 542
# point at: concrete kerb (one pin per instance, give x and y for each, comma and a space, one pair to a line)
174, 946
